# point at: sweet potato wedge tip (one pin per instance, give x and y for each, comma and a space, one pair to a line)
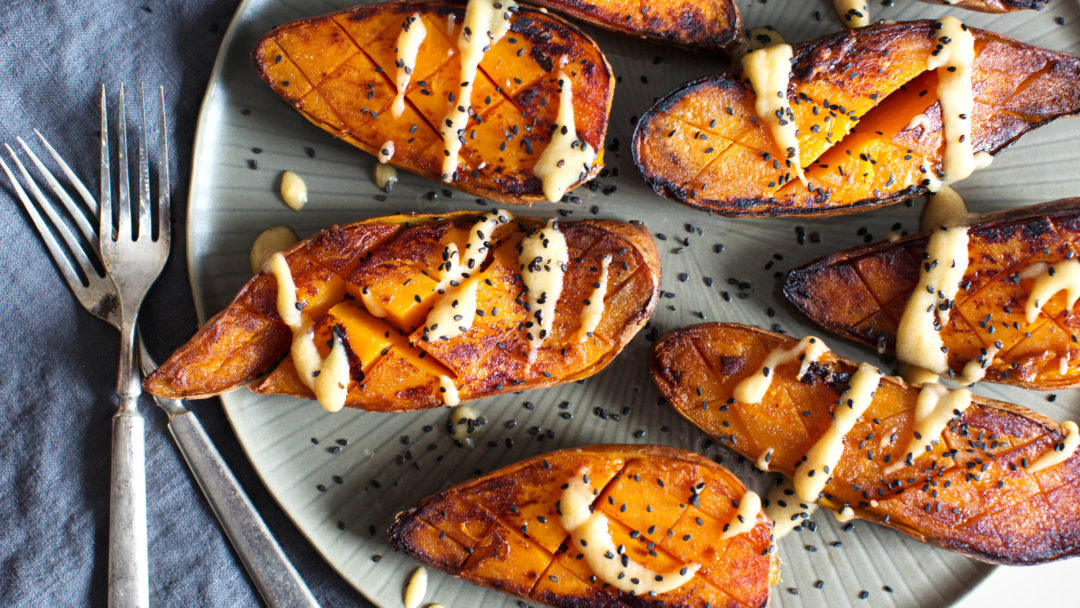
973, 491
340, 72
994, 6
373, 284
868, 119
712, 24
669, 508
862, 293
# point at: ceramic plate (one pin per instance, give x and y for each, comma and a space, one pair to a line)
342, 477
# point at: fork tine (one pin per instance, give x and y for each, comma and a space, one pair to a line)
164, 218
145, 218
123, 228
63, 262
73, 210
81, 188
105, 222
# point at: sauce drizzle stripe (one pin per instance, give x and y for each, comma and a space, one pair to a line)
814, 472
753, 388
927, 310
769, 71
328, 378
1061, 451
591, 537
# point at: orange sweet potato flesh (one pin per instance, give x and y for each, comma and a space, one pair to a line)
970, 493
854, 95
503, 530
706, 25
861, 294
994, 6
397, 259
339, 72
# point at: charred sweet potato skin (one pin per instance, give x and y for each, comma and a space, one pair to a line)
339, 71
397, 261
502, 530
854, 95
709, 25
861, 294
971, 493
995, 6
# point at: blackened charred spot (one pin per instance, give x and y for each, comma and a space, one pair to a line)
731, 366
541, 58
1034, 230
999, 234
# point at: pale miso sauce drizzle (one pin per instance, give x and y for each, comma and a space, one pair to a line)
913, 374
589, 531
928, 308
416, 589
328, 378
453, 314
1061, 451
567, 158
920, 121
975, 370
943, 207
455, 267
753, 388
483, 27
952, 58
463, 421
745, 517
813, 473
448, 390
853, 13
593, 311
455, 311
845, 514
1063, 276
385, 174
934, 408
408, 44
784, 507
543, 261
769, 71
763, 461
386, 151
370, 303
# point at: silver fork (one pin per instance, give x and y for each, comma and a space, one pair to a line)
274, 576
133, 257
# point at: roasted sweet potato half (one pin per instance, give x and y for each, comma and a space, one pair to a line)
341, 70
373, 285
972, 490
994, 6
868, 119
708, 25
862, 293
667, 510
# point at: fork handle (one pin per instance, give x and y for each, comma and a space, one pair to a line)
128, 561
274, 576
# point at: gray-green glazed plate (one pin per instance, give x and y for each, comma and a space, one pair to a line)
342, 477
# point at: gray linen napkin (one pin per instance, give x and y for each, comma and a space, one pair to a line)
58, 364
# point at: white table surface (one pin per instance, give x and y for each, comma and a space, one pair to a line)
1046, 585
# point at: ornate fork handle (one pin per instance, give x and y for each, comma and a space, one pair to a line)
128, 561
